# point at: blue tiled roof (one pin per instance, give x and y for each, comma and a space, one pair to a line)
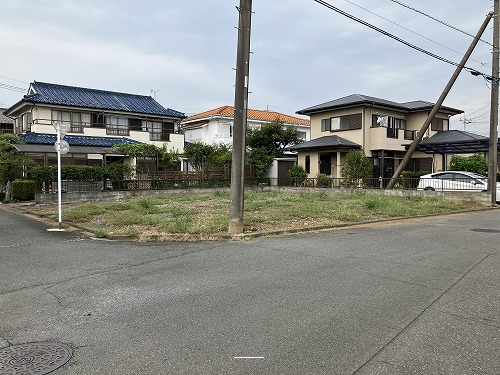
75, 140
49, 93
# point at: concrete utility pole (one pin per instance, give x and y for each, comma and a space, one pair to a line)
493, 143
438, 104
240, 119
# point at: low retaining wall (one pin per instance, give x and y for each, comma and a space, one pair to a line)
72, 197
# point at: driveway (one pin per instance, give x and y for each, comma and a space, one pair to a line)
417, 297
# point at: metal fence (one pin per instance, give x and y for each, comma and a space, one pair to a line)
186, 182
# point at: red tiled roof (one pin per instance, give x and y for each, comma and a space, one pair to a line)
254, 114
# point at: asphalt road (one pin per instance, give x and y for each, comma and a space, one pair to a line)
417, 297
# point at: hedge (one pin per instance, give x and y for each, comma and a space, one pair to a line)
22, 190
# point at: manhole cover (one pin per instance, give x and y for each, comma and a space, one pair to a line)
35, 358
486, 230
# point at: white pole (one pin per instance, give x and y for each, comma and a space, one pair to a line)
59, 198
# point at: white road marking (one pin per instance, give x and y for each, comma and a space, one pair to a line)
248, 357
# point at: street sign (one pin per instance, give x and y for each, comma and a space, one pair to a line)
62, 146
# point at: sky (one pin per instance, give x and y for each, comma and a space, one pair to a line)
183, 52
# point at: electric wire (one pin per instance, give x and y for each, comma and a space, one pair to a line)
438, 20
386, 33
12, 88
414, 32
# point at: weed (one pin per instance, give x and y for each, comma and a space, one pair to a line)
101, 233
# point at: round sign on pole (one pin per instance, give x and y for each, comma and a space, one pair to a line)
62, 146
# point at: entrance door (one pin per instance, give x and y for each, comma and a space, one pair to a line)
325, 164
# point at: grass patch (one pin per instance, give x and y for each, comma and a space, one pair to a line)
208, 214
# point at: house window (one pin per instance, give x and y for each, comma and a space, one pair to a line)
117, 125
225, 129
325, 125
158, 131
308, 164
98, 120
302, 135
437, 124
349, 122
135, 124
79, 121
62, 117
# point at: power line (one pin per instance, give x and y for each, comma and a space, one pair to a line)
15, 80
411, 31
472, 71
438, 20
12, 88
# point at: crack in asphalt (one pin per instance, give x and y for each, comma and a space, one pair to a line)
423, 311
114, 269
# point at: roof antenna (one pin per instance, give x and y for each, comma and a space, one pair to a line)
154, 93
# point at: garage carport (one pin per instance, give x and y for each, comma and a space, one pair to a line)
454, 142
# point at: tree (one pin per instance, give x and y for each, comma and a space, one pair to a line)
198, 155
13, 164
475, 163
273, 137
297, 174
261, 160
269, 142
356, 167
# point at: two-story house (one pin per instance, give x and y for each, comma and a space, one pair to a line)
216, 125
96, 120
381, 128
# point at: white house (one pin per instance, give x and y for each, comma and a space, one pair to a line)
96, 121
216, 125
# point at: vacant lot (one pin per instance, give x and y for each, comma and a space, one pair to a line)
194, 216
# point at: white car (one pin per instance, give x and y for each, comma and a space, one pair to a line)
454, 180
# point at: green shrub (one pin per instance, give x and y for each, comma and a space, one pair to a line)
475, 163
410, 179
322, 180
23, 190
297, 175
2, 196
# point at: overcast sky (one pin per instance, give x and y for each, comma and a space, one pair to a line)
303, 53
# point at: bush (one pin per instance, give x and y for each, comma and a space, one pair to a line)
23, 190
475, 163
323, 180
114, 171
2, 196
356, 168
410, 179
297, 175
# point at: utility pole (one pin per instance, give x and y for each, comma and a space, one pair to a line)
493, 143
240, 119
438, 104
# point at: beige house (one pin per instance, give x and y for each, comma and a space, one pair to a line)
381, 128
96, 121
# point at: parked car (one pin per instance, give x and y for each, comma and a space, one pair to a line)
455, 180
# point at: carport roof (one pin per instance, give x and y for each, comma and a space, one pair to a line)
454, 142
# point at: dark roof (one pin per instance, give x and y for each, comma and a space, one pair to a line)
5, 119
357, 99
454, 142
331, 141
49, 149
75, 140
49, 93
